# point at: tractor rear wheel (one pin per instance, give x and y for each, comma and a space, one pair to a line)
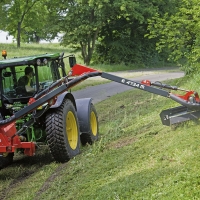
6, 159
92, 135
62, 131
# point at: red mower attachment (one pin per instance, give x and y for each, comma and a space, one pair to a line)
190, 95
190, 102
10, 141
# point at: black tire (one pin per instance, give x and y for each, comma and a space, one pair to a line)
62, 131
91, 136
6, 159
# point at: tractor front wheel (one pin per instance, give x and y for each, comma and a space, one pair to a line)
62, 131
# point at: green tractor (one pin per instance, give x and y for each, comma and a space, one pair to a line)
36, 108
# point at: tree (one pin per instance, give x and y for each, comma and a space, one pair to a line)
179, 33
122, 38
37, 25
81, 21
26, 20
17, 11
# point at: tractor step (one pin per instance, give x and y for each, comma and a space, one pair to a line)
177, 115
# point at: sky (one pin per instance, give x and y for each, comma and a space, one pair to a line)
5, 38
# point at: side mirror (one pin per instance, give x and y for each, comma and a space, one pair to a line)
72, 61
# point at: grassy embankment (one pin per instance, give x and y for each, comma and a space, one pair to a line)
136, 157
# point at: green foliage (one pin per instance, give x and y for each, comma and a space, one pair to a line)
117, 27
179, 33
26, 20
121, 39
90, 17
139, 51
81, 22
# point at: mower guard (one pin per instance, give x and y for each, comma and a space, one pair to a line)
177, 115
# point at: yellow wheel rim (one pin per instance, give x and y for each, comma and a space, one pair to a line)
72, 130
93, 123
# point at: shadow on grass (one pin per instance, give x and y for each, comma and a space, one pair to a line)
22, 168
23, 163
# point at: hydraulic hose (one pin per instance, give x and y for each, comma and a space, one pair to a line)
45, 91
9, 120
71, 83
161, 85
83, 77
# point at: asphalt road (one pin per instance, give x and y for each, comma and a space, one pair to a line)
101, 92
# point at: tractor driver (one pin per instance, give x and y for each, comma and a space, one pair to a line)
26, 80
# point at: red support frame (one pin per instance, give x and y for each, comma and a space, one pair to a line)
187, 95
78, 70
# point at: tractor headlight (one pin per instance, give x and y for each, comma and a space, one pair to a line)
45, 61
38, 62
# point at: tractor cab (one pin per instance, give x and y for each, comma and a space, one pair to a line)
22, 78
14, 82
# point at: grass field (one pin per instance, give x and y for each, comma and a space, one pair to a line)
135, 158
32, 49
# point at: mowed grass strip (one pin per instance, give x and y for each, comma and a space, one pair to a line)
136, 157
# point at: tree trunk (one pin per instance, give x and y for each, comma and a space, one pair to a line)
83, 51
18, 34
87, 49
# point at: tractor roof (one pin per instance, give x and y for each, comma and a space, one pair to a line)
28, 60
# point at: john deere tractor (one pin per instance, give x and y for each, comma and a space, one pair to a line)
36, 108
